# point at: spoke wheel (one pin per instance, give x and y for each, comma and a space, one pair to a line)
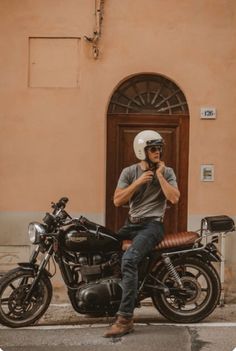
199, 296
15, 311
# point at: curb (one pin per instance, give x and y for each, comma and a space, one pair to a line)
64, 314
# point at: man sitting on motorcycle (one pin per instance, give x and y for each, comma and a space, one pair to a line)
147, 186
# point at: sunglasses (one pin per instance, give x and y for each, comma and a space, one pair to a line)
153, 149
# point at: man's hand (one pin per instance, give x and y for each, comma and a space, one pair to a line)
145, 178
171, 193
161, 168
122, 196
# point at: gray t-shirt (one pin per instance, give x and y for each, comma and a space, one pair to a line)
149, 200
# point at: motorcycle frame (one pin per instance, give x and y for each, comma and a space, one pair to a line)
207, 252
53, 243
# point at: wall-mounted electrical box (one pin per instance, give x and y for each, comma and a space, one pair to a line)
208, 112
207, 173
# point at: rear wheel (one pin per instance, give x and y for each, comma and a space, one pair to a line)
199, 296
14, 286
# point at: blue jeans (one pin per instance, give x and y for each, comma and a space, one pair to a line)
145, 237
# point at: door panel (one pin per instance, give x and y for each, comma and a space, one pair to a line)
121, 132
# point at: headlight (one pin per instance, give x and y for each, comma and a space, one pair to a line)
34, 231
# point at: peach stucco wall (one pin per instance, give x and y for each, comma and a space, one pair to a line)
44, 128
53, 127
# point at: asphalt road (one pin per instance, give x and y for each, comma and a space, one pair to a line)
147, 337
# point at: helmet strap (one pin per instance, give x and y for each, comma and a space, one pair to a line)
152, 166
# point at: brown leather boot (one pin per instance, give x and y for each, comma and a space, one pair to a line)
123, 325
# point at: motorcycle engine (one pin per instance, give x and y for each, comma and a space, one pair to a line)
100, 298
96, 267
100, 291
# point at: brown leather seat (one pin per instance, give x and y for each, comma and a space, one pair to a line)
170, 240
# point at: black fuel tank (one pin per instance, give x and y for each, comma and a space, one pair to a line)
92, 237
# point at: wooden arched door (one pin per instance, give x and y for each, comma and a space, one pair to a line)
147, 102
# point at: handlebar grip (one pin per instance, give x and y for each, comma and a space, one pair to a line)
62, 202
64, 199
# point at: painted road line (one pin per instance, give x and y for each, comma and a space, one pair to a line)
101, 325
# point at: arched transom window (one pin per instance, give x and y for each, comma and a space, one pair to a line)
148, 93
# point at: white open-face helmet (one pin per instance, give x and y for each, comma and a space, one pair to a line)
144, 139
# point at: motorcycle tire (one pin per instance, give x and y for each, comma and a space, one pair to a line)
200, 279
14, 286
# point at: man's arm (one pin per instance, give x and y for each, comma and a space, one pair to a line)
123, 195
171, 192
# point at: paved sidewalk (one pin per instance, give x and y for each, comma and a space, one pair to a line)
64, 314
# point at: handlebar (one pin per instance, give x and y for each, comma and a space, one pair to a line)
59, 215
61, 204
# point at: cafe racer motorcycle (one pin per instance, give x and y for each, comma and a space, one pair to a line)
178, 275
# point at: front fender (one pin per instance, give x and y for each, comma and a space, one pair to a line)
33, 267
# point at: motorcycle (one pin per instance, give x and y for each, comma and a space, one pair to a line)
178, 275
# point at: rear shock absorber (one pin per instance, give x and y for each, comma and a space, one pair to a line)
171, 269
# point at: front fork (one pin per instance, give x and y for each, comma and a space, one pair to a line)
34, 255
40, 270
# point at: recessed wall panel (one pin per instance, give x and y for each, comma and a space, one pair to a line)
53, 62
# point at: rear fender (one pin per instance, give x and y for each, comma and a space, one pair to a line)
206, 254
209, 256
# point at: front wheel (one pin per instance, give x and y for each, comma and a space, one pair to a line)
199, 296
14, 286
